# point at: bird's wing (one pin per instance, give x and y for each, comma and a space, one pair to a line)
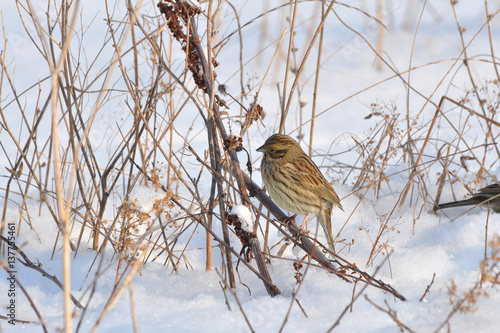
305, 173
490, 190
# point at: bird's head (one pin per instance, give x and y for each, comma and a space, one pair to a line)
280, 146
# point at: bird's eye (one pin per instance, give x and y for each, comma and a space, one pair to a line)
272, 150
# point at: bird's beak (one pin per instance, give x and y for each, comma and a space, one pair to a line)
261, 149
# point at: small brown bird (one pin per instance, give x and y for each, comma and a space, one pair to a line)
488, 196
295, 183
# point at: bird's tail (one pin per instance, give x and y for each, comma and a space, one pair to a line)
460, 203
326, 222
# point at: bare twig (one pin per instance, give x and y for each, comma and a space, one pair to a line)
392, 314
428, 287
38, 267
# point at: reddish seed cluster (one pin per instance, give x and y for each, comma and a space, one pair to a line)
297, 266
175, 12
233, 142
254, 113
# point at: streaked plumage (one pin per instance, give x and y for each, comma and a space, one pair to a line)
480, 198
295, 183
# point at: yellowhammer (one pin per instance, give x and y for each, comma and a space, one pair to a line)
295, 183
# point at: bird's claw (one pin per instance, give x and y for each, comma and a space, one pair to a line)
289, 219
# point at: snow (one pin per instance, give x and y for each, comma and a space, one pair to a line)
245, 217
447, 247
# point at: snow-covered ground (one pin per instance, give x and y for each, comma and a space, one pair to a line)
446, 249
